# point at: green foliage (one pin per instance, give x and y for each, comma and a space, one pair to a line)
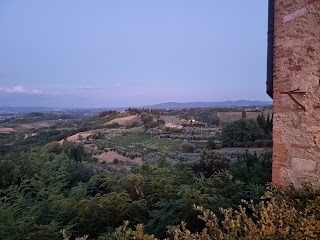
45, 199
59, 192
146, 118
43, 137
210, 163
237, 133
106, 113
266, 124
277, 217
75, 151
108, 210
58, 187
9, 173
253, 168
53, 147
163, 145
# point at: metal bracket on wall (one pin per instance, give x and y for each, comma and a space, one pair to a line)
295, 92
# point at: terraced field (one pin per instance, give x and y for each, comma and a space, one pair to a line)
162, 145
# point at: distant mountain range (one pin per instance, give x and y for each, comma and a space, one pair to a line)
168, 105
239, 103
22, 110
27, 109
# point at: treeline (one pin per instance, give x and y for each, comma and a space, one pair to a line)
18, 143
35, 117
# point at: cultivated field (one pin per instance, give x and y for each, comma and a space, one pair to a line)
124, 120
7, 130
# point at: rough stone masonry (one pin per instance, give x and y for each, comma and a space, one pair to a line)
296, 92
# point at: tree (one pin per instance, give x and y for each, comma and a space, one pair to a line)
238, 133
146, 118
269, 126
80, 137
215, 121
244, 114
261, 120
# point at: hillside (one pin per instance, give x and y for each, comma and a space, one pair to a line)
239, 103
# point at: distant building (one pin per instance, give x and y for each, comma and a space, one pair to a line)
293, 80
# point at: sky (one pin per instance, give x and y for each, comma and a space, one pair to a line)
122, 53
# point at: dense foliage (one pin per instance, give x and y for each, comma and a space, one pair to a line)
282, 214
58, 187
240, 132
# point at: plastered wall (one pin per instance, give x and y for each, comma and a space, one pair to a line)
296, 133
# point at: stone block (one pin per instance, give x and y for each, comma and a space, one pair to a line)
303, 165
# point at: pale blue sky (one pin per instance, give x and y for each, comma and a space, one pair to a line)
115, 53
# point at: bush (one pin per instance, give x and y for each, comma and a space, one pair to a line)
218, 146
268, 143
258, 143
113, 125
187, 147
252, 168
115, 161
210, 163
134, 124
248, 144
132, 155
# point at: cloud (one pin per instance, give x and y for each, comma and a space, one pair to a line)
20, 89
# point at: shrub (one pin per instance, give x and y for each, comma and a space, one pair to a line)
134, 124
252, 168
268, 143
258, 143
211, 144
210, 163
187, 147
132, 155
112, 125
248, 144
146, 118
115, 161
218, 146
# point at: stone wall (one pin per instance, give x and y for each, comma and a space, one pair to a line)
296, 133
